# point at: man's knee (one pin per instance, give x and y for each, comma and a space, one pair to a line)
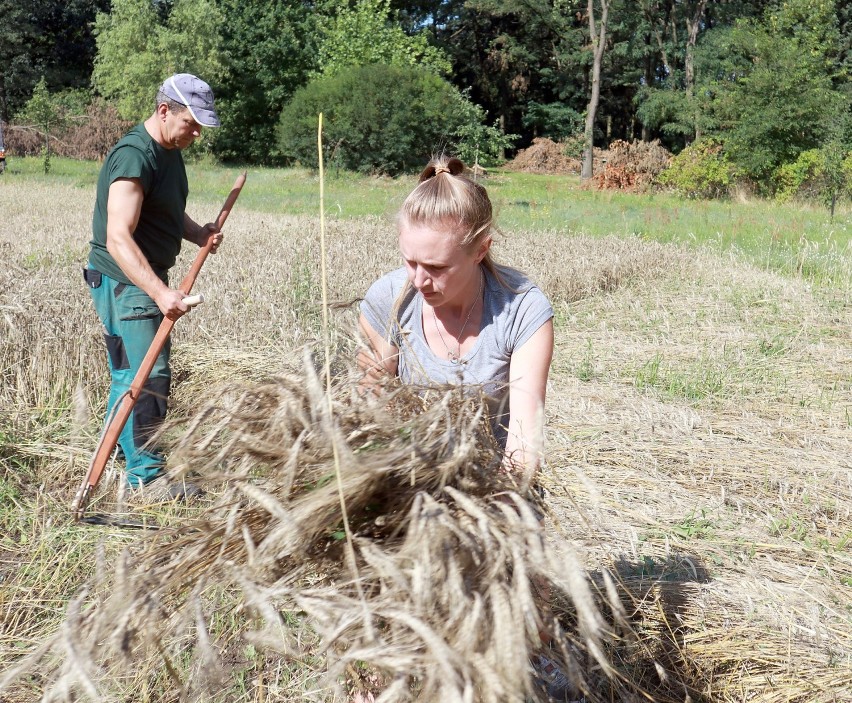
150, 409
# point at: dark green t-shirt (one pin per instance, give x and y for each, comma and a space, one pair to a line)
159, 232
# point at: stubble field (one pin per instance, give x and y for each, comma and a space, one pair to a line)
699, 445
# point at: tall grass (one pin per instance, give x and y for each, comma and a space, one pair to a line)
792, 238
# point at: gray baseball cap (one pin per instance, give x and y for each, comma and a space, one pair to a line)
189, 90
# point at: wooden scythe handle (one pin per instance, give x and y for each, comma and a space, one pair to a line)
120, 414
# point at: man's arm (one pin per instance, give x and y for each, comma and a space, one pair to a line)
528, 371
124, 206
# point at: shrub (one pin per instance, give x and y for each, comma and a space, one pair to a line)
477, 142
803, 178
701, 170
377, 119
846, 171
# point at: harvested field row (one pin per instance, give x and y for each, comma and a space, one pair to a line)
698, 457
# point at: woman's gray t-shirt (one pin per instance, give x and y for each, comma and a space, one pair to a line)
510, 317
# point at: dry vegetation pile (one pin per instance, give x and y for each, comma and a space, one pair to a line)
630, 166
698, 486
88, 136
544, 156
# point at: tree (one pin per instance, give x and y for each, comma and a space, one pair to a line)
598, 40
51, 39
521, 60
46, 115
477, 142
664, 37
136, 50
377, 118
367, 33
770, 92
18, 73
268, 54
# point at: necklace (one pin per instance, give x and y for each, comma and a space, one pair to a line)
455, 356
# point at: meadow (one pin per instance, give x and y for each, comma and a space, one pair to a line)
699, 433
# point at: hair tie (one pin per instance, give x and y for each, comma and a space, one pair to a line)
442, 169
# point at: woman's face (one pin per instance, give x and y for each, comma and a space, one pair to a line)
442, 271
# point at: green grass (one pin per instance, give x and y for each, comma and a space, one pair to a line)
790, 238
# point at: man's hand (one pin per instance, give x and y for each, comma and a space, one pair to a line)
171, 303
207, 231
200, 234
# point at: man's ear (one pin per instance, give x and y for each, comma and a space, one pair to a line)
162, 110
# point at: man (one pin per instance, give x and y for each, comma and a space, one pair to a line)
138, 226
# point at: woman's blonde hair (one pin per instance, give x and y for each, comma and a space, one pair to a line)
445, 195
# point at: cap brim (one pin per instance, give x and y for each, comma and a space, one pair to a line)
206, 118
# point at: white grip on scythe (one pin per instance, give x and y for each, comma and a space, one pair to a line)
193, 300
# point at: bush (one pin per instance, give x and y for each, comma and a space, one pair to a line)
804, 178
477, 142
701, 170
377, 119
821, 175
846, 174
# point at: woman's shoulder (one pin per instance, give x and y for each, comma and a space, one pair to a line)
518, 306
510, 283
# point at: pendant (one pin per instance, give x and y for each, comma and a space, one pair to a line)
454, 358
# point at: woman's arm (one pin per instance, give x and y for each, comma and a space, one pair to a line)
380, 359
528, 371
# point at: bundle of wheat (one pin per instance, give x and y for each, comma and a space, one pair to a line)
385, 528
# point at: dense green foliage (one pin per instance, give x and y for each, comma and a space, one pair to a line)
137, 50
779, 103
365, 33
702, 170
378, 118
766, 80
268, 53
44, 39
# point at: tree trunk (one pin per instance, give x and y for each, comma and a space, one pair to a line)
649, 82
598, 39
661, 46
692, 26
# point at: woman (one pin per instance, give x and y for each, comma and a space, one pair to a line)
451, 315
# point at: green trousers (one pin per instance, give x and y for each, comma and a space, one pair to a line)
130, 321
